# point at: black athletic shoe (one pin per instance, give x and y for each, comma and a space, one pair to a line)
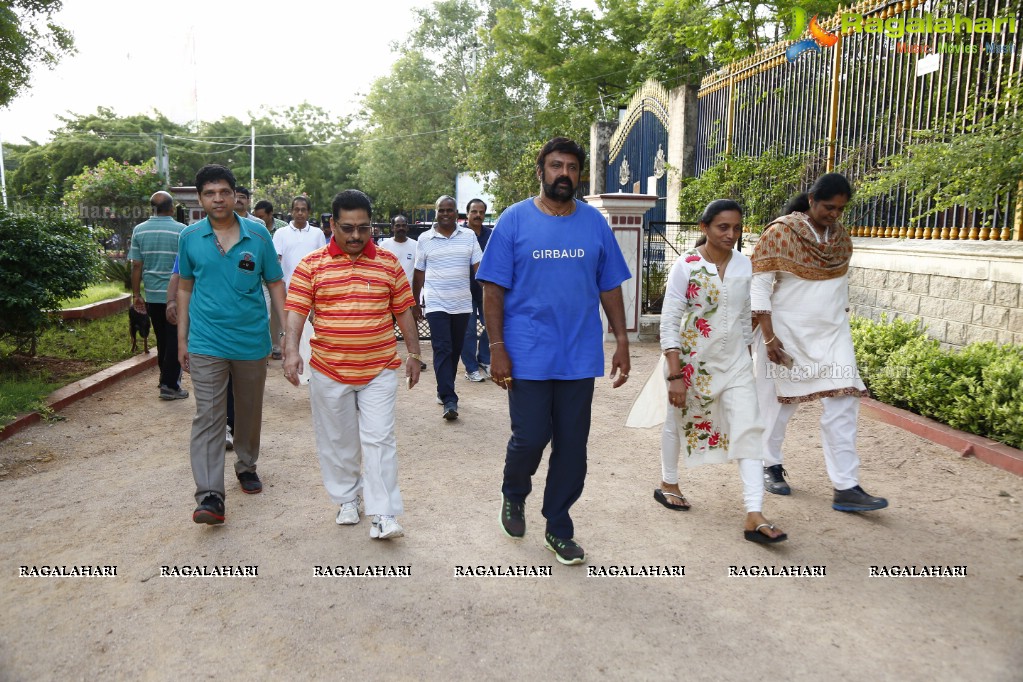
774, 480
451, 411
856, 499
250, 482
513, 518
211, 511
568, 552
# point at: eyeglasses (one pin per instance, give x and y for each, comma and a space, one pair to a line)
348, 229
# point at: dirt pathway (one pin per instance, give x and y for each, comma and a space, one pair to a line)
111, 485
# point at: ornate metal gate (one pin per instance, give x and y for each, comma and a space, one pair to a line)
639, 146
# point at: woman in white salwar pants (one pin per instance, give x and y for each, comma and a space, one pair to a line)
704, 389
804, 349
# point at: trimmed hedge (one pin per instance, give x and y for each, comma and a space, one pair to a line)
978, 389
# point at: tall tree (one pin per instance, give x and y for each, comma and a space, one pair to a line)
305, 140
280, 191
28, 38
114, 195
41, 177
404, 159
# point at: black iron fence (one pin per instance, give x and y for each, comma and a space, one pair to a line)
665, 242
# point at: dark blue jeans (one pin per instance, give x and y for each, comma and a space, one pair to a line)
556, 412
447, 334
476, 350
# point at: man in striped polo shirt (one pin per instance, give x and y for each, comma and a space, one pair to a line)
154, 246
446, 255
353, 288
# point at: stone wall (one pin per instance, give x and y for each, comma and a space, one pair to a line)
963, 291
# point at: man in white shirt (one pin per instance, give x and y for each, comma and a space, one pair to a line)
445, 257
298, 239
294, 242
404, 249
401, 245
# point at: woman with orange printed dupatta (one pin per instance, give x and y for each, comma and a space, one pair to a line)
703, 389
803, 346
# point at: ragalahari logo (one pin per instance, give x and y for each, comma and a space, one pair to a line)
897, 27
818, 36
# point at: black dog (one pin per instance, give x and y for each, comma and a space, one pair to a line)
138, 325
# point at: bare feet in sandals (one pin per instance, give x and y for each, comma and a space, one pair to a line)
761, 531
671, 497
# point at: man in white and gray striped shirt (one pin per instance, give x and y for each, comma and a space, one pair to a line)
445, 257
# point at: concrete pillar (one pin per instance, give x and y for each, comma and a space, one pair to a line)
600, 142
682, 123
624, 214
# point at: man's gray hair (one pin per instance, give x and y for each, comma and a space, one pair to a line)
443, 198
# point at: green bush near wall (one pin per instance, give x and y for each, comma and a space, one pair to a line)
978, 389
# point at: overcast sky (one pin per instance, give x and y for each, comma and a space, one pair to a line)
203, 59
206, 59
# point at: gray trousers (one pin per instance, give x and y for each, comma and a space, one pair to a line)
209, 386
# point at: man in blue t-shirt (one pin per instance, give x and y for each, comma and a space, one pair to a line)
549, 266
476, 347
223, 331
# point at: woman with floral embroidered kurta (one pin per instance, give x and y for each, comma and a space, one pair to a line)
711, 394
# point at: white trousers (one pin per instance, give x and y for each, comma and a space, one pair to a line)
838, 433
355, 440
750, 470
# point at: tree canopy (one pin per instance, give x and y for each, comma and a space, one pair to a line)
478, 86
315, 146
486, 82
114, 195
28, 38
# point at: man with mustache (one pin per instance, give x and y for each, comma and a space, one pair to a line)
549, 264
476, 349
445, 257
401, 245
404, 249
353, 288
224, 332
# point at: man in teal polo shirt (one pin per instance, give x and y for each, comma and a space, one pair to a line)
223, 331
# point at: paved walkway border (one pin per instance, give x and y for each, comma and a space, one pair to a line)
966, 444
63, 397
98, 310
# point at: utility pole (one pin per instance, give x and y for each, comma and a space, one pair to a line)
3, 178
252, 161
162, 159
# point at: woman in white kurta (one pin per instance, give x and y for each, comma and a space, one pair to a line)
800, 297
706, 372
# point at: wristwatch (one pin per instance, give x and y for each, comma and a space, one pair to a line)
417, 356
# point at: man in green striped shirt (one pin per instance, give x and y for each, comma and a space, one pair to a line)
154, 245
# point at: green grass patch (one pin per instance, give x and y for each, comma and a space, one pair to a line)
66, 352
95, 294
19, 395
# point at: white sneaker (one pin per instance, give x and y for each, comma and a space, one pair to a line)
439, 401
348, 515
230, 439
385, 528
485, 371
474, 376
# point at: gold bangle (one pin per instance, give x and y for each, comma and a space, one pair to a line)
497, 343
417, 356
771, 339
